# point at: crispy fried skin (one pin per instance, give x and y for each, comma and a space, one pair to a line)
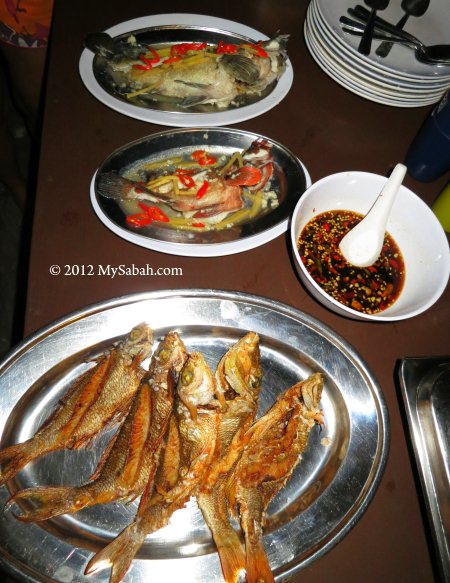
103, 394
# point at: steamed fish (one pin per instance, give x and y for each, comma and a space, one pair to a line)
274, 445
190, 448
200, 187
190, 73
238, 378
101, 395
134, 451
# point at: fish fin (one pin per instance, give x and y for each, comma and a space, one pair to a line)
193, 100
191, 84
119, 553
48, 502
228, 543
112, 185
257, 564
241, 68
14, 458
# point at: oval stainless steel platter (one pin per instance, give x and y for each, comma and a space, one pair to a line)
327, 494
290, 179
167, 29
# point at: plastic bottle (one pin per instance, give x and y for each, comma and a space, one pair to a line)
441, 208
428, 157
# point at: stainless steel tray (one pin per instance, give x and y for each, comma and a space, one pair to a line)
327, 494
425, 384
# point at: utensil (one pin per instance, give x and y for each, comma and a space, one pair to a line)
366, 41
362, 245
432, 54
411, 8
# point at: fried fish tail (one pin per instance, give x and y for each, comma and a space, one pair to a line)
229, 546
49, 501
14, 458
252, 509
118, 554
257, 564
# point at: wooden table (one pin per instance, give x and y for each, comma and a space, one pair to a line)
331, 130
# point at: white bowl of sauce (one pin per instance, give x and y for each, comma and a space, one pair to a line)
408, 278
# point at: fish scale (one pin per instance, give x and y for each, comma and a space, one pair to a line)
101, 396
123, 470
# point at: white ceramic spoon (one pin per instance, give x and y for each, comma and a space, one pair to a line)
362, 245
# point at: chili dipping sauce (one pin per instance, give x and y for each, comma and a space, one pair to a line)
365, 289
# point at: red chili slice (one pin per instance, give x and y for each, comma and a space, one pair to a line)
203, 158
150, 214
186, 180
139, 220
245, 176
202, 190
259, 50
223, 48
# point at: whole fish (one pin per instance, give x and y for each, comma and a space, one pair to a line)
133, 453
196, 73
274, 445
101, 395
223, 193
238, 378
190, 449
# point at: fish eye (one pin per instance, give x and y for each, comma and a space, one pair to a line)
187, 376
136, 334
164, 355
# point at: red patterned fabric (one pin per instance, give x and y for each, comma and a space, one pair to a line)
25, 23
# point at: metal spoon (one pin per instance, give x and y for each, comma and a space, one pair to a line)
431, 55
362, 245
366, 41
411, 8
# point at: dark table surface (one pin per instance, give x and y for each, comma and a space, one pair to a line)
331, 130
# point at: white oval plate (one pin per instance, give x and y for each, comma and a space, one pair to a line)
185, 119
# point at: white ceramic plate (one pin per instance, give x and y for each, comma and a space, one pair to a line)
431, 28
185, 119
343, 51
291, 179
367, 85
338, 75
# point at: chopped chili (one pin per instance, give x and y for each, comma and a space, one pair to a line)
150, 214
186, 180
228, 49
148, 62
202, 190
259, 50
203, 158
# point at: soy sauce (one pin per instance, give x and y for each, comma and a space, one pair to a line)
365, 289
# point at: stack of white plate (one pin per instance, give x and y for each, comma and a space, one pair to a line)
399, 79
